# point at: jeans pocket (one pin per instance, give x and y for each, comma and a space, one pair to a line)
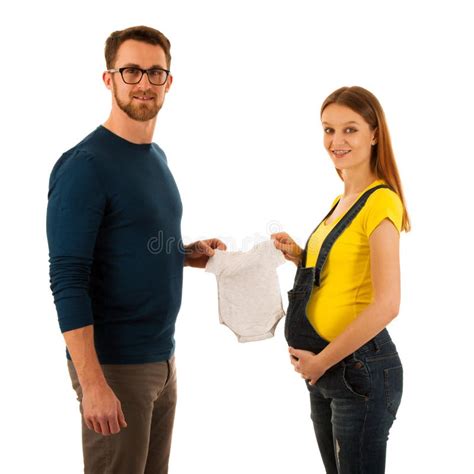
356, 378
393, 381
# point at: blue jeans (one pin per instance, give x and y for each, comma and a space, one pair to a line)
354, 404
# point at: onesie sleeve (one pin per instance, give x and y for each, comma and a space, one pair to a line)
277, 255
214, 263
383, 204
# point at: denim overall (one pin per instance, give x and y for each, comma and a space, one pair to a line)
353, 405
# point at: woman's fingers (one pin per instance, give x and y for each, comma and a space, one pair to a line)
282, 237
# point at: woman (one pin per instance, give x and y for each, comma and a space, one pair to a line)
338, 311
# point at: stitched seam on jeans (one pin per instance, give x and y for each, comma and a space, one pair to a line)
362, 435
351, 390
365, 349
384, 357
388, 400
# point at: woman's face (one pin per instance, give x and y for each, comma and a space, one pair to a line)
347, 137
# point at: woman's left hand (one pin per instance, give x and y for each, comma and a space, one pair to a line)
307, 364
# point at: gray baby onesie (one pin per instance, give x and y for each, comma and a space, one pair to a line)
249, 292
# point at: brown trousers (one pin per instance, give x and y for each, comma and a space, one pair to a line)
147, 393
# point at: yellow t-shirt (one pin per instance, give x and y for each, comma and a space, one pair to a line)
346, 286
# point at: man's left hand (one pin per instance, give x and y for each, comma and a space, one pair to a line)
197, 254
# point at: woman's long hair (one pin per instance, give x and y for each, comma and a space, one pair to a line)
382, 160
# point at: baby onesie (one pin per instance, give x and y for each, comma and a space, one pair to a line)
249, 291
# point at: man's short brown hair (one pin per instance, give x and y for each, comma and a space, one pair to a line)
137, 33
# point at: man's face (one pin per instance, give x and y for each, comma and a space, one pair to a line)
140, 101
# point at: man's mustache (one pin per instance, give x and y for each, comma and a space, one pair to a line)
147, 94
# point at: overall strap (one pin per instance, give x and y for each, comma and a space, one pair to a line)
339, 229
305, 250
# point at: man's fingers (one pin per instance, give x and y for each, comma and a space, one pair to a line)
89, 424
114, 427
121, 418
208, 250
202, 247
207, 246
99, 425
107, 425
218, 244
104, 426
96, 426
215, 244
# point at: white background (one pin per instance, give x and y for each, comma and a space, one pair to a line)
241, 130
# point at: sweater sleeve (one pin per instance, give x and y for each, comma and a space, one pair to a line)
76, 204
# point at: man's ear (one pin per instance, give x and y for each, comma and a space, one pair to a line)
169, 81
107, 78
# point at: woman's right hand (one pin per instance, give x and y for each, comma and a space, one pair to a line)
291, 250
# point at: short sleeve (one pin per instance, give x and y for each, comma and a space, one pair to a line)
214, 264
335, 201
382, 204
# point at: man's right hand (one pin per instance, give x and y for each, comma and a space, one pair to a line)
102, 410
291, 250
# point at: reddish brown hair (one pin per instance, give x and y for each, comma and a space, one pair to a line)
382, 160
138, 33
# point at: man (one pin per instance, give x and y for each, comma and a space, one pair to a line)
117, 292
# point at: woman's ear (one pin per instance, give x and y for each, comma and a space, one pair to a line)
374, 138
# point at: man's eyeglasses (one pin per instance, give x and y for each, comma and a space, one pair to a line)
133, 75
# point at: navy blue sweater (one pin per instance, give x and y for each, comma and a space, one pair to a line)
116, 256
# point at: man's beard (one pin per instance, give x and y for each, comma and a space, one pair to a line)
139, 112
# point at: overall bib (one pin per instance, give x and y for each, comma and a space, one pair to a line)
299, 332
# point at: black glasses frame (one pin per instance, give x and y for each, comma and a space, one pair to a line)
142, 71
